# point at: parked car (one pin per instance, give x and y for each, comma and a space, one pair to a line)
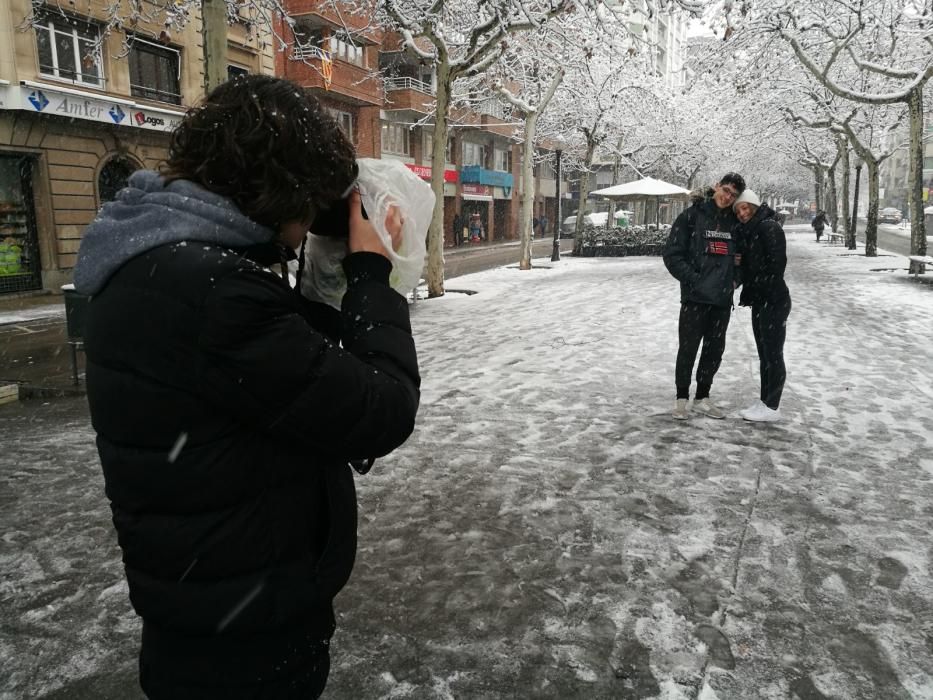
624, 217
889, 215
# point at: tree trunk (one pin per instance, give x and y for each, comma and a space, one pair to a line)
831, 205
871, 225
528, 190
843, 146
214, 38
616, 166
528, 175
435, 270
918, 236
858, 177
818, 187
584, 191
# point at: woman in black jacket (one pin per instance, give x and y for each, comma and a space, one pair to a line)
764, 258
227, 407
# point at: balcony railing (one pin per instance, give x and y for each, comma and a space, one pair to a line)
303, 53
481, 176
409, 84
151, 93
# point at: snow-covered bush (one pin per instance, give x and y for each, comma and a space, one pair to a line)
628, 240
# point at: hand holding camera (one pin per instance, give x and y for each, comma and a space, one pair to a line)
363, 237
388, 211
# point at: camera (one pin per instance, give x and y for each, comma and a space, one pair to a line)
334, 219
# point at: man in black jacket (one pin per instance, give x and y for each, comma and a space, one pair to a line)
818, 224
227, 407
764, 257
700, 253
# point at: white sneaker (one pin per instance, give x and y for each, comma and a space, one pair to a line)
680, 410
708, 408
753, 407
761, 414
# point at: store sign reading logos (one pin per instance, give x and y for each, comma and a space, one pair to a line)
76, 105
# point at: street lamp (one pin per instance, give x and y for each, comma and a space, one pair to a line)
555, 253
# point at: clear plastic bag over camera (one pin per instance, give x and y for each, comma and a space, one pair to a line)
382, 184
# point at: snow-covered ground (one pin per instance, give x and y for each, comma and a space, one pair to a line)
550, 532
31, 314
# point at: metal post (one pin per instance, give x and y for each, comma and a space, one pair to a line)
555, 253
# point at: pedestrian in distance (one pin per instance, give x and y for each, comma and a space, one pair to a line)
228, 408
818, 224
458, 226
476, 229
764, 258
701, 254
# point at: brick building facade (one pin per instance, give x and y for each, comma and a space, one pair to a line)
389, 116
75, 122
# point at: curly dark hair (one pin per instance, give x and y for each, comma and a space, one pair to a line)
267, 144
734, 179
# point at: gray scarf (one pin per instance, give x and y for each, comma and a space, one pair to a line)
147, 214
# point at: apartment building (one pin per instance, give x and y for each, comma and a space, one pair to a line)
80, 109
390, 115
665, 33
894, 174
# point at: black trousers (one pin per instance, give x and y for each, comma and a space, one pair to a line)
265, 666
769, 324
706, 323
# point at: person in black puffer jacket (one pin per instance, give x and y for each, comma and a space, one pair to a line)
700, 253
227, 407
764, 257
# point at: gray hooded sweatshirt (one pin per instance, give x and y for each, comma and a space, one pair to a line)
147, 214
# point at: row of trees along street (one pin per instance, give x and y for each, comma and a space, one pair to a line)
787, 92
831, 84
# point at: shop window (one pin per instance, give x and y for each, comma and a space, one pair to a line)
114, 177
344, 121
19, 243
395, 139
68, 49
154, 72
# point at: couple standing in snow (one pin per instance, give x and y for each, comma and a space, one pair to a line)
725, 239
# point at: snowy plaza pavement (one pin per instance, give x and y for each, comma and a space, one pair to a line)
549, 531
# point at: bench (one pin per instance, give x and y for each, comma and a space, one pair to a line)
920, 260
833, 237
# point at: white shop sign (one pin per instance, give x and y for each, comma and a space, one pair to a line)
77, 104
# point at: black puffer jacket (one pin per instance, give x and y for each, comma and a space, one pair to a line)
764, 257
226, 413
700, 253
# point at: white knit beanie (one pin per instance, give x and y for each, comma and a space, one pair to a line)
748, 196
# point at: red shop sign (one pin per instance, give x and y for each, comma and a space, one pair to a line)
424, 172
